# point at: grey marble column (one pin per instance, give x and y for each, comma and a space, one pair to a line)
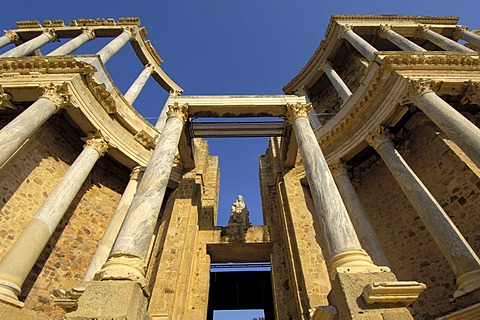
9, 37
19, 260
134, 90
14, 134
314, 121
462, 32
458, 128
441, 41
129, 253
336, 81
343, 245
115, 45
363, 227
72, 45
365, 48
460, 256
108, 239
385, 31
30, 46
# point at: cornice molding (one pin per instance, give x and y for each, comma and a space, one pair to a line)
50, 65
100, 92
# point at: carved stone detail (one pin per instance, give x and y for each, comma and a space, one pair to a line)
404, 292
420, 32
137, 173
97, 142
472, 94
145, 139
421, 86
178, 110
101, 93
12, 35
5, 100
457, 34
51, 34
297, 110
379, 136
57, 93
338, 168
382, 30
89, 32
344, 28
131, 30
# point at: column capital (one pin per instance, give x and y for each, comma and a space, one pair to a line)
149, 67
379, 136
57, 93
338, 168
51, 34
89, 32
297, 110
457, 34
382, 30
12, 35
344, 28
97, 142
420, 32
325, 64
302, 91
472, 93
137, 173
178, 110
419, 87
130, 30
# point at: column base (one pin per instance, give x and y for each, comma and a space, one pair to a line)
9, 294
353, 262
114, 300
123, 268
467, 282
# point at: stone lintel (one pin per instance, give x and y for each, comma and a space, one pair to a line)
404, 292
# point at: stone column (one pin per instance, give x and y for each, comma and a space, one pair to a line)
460, 256
458, 128
343, 245
14, 134
365, 48
443, 42
116, 44
336, 81
72, 45
129, 253
385, 31
462, 32
9, 37
134, 90
363, 227
19, 260
30, 46
106, 244
314, 121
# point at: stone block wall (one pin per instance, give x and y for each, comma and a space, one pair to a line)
26, 181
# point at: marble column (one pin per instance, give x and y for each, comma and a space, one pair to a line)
14, 134
134, 90
364, 229
314, 121
460, 256
462, 32
365, 48
106, 244
385, 31
116, 44
443, 42
455, 126
346, 253
19, 260
9, 37
72, 45
336, 81
130, 251
30, 46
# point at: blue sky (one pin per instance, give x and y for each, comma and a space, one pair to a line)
227, 47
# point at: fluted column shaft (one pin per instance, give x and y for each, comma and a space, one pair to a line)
134, 90
19, 260
30, 46
115, 45
336, 81
398, 40
14, 134
460, 256
463, 33
365, 48
458, 128
129, 253
441, 41
74, 44
363, 227
108, 239
339, 232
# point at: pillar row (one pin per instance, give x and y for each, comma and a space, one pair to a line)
127, 261
107, 52
365, 48
9, 37
443, 42
19, 260
30, 46
385, 31
346, 253
135, 89
460, 256
20, 129
72, 45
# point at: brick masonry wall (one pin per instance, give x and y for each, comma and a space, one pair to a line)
409, 246
27, 180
